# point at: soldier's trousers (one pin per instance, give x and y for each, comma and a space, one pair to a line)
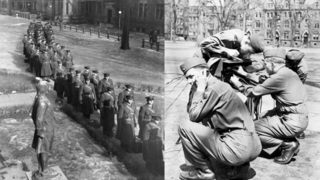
234, 148
273, 128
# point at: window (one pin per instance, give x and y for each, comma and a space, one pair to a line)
256, 14
99, 7
269, 34
268, 14
159, 11
257, 24
271, 14
285, 14
140, 9
269, 24
286, 24
286, 35
145, 10
315, 37
297, 35
316, 25
259, 14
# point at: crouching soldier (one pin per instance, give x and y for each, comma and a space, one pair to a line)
229, 143
277, 128
107, 106
153, 145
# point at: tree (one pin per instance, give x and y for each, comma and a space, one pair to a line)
126, 25
224, 11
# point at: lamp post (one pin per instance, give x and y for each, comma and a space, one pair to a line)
119, 26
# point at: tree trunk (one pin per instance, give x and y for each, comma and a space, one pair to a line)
125, 27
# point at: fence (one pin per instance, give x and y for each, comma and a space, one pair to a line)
103, 33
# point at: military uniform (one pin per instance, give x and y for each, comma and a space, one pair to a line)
87, 98
37, 64
45, 67
54, 64
289, 118
295, 62
107, 106
104, 83
145, 114
126, 124
68, 61
69, 84
122, 95
76, 92
59, 85
152, 147
230, 136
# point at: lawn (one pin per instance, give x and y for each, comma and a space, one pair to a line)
19, 83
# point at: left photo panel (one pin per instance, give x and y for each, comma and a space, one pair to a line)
82, 89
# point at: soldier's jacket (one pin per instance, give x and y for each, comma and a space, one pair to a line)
145, 113
68, 61
218, 43
59, 84
107, 97
87, 90
104, 83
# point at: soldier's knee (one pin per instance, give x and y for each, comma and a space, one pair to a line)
183, 128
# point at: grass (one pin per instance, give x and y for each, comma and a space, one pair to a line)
20, 111
15, 81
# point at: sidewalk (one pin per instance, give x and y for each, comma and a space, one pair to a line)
7, 100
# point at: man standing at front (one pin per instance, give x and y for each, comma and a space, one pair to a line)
230, 140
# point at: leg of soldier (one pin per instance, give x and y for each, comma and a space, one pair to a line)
273, 130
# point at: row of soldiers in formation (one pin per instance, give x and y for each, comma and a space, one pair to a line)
87, 93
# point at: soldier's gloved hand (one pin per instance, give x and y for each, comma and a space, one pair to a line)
235, 80
233, 52
262, 78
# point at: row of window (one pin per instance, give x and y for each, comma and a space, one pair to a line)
143, 11
269, 24
286, 35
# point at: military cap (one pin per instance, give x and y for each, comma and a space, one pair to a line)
59, 62
109, 89
71, 69
256, 43
294, 55
67, 51
150, 98
59, 74
192, 62
95, 71
129, 97
275, 52
78, 72
86, 77
57, 43
128, 86
87, 67
106, 74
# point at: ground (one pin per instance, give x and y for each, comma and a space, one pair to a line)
89, 160
304, 166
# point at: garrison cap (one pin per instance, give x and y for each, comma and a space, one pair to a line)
150, 98
106, 74
87, 67
67, 51
129, 97
95, 71
275, 52
128, 86
192, 62
78, 72
294, 55
256, 43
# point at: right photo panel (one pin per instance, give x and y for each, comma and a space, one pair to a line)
242, 89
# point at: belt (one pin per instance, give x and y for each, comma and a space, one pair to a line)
230, 130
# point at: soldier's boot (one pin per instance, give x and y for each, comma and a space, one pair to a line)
241, 172
289, 149
197, 174
301, 136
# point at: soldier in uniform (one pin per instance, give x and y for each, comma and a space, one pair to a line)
59, 87
145, 113
33, 53
126, 123
76, 90
228, 139
152, 145
277, 128
95, 81
46, 70
68, 60
87, 97
42, 116
37, 63
24, 41
123, 94
234, 43
295, 62
107, 106
104, 83
69, 84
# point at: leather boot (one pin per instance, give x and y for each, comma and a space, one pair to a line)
288, 150
301, 136
243, 171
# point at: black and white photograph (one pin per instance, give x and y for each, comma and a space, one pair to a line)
82, 89
242, 89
